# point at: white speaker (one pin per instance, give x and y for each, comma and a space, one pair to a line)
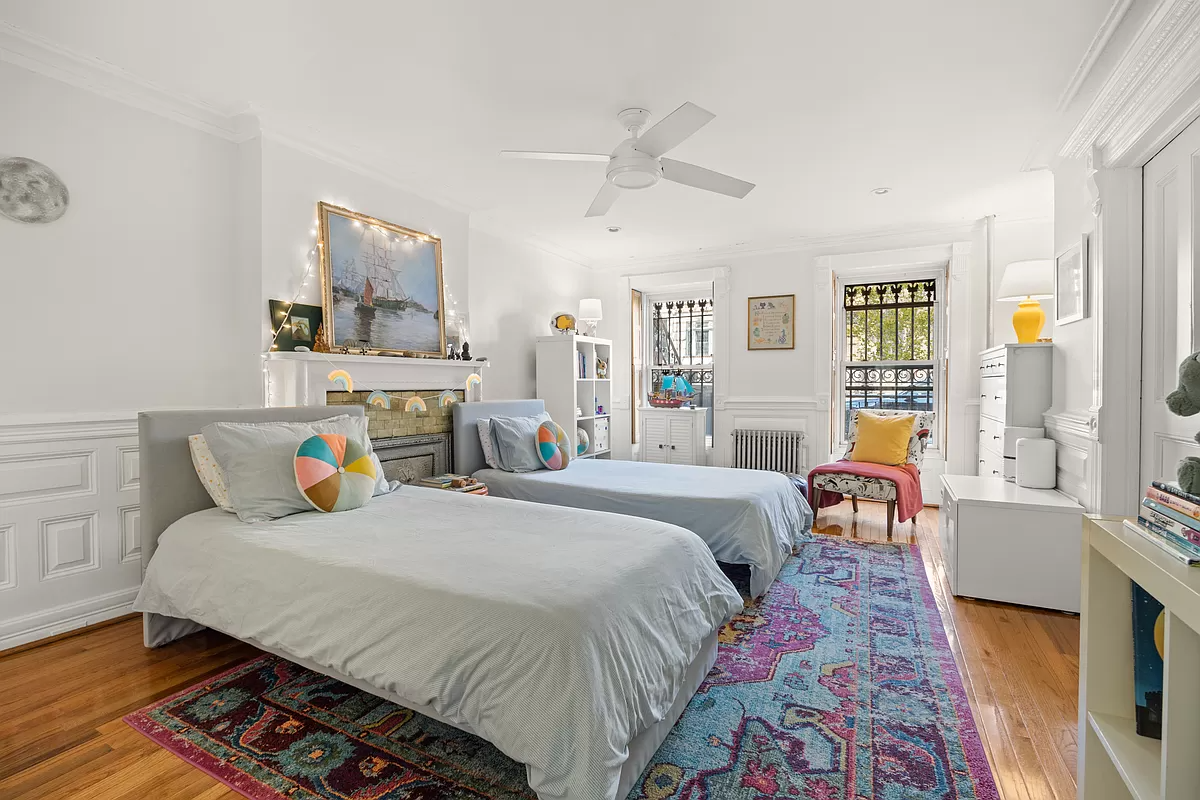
1036, 467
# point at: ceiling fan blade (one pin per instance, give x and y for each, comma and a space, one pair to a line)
607, 195
673, 129
701, 178
554, 156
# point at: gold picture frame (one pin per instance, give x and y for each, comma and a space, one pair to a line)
381, 285
771, 322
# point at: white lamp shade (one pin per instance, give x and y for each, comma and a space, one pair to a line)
1027, 279
590, 310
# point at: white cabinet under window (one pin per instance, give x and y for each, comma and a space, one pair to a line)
673, 435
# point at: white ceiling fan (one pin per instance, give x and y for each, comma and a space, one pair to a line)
638, 162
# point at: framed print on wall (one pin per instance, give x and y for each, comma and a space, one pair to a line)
771, 322
1070, 284
297, 324
381, 285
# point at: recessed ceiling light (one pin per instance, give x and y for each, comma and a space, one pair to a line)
881, 190
614, 229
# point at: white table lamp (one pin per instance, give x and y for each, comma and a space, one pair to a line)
1028, 282
590, 312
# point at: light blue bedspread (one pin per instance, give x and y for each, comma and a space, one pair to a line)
745, 516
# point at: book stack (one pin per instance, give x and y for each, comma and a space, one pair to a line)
454, 483
1170, 518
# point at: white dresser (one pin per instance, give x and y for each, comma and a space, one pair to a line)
673, 435
1004, 542
1015, 390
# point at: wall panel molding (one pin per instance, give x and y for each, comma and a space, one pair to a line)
69, 523
1076, 452
40, 477
69, 545
8, 556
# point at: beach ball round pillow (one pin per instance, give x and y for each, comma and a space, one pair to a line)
553, 446
334, 472
584, 441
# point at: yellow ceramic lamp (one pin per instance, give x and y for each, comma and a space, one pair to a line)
1028, 282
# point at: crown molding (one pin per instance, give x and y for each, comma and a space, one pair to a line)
1112, 20
47, 58
1152, 92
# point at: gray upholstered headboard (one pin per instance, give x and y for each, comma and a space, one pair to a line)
468, 453
170, 489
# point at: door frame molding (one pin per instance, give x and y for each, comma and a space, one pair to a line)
1151, 95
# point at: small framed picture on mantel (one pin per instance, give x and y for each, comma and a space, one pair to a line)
771, 322
298, 325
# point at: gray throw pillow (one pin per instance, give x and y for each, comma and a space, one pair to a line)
515, 440
257, 459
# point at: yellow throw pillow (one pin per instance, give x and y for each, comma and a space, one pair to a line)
883, 439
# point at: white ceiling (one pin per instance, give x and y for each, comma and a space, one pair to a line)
817, 103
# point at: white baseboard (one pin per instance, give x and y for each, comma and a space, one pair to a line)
69, 617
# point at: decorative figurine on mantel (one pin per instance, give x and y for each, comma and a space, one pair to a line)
452, 352
466, 351
1184, 402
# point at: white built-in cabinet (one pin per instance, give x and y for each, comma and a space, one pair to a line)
576, 397
1014, 392
673, 435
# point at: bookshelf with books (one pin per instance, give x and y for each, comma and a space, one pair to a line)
1139, 725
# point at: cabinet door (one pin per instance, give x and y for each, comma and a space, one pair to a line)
655, 438
680, 439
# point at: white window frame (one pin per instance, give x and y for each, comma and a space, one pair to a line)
690, 291
841, 278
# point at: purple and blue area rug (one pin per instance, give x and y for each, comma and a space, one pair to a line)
839, 685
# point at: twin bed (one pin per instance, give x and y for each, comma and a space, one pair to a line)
536, 627
748, 517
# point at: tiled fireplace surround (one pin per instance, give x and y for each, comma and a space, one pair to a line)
410, 444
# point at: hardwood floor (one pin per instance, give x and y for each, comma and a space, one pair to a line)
61, 734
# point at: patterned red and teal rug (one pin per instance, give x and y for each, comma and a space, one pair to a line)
839, 685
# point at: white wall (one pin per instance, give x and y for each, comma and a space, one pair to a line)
515, 290
1074, 342
123, 303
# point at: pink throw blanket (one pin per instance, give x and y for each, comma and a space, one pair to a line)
906, 479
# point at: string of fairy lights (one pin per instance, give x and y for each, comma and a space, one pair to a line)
339, 376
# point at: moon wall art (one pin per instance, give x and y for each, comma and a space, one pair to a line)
31, 192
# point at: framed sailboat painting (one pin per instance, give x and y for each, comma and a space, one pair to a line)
381, 285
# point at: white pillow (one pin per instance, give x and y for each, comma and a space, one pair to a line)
209, 471
485, 440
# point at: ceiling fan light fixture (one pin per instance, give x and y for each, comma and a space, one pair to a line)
634, 172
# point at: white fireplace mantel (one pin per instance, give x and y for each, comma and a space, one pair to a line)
302, 379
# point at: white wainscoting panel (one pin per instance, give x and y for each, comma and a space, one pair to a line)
69, 524
1077, 453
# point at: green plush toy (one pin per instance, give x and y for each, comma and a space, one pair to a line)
1184, 402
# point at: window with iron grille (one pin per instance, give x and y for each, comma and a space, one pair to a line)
681, 344
888, 355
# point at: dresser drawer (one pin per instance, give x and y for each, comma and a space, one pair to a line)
992, 398
1001, 439
991, 465
991, 435
995, 364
